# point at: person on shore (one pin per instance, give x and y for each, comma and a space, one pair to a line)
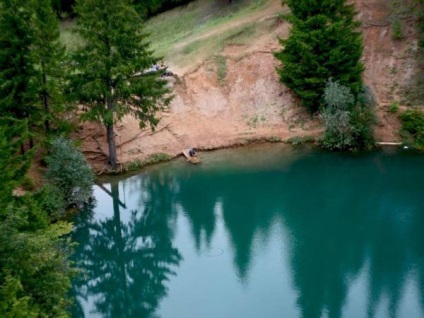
192, 152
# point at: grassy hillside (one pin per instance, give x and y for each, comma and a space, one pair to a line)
189, 34
184, 33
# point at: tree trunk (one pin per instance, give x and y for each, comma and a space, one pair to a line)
113, 161
120, 256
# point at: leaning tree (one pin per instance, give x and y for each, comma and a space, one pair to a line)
109, 76
324, 43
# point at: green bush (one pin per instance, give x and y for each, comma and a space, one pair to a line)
300, 140
397, 29
413, 124
394, 107
68, 172
51, 201
348, 125
27, 183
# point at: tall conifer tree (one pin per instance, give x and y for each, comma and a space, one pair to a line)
49, 56
17, 86
30, 63
115, 50
324, 43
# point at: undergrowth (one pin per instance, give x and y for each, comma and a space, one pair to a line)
151, 159
412, 130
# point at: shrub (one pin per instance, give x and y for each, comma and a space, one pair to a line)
300, 140
394, 107
348, 125
51, 201
413, 124
397, 32
68, 172
274, 139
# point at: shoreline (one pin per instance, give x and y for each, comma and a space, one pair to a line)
140, 164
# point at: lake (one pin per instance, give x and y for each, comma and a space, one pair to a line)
265, 231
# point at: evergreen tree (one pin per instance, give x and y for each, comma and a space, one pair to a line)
12, 166
49, 56
34, 270
323, 43
115, 50
30, 63
17, 72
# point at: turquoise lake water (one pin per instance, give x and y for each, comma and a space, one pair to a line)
266, 231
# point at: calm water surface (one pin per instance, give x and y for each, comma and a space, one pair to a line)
258, 232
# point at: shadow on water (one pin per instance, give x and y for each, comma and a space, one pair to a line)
344, 215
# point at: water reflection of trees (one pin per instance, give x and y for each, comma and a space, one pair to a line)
344, 216
126, 264
198, 199
341, 220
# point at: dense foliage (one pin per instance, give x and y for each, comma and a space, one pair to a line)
323, 43
30, 64
34, 270
18, 92
413, 127
348, 121
69, 172
50, 57
111, 78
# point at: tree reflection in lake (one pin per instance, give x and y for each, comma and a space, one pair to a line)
348, 219
126, 264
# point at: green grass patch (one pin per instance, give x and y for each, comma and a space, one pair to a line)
397, 29
274, 139
221, 67
151, 159
300, 140
202, 49
192, 33
182, 32
242, 35
394, 107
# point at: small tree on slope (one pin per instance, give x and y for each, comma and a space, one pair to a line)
115, 50
323, 43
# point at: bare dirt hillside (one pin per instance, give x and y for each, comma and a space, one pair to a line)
394, 67
234, 96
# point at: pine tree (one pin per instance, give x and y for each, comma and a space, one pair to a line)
324, 43
13, 166
17, 73
34, 271
115, 50
30, 63
49, 56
